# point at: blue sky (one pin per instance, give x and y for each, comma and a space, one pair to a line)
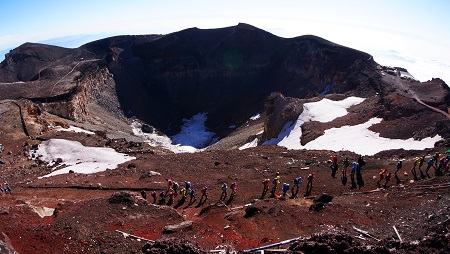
410, 33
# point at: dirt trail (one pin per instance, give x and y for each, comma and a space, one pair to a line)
428, 106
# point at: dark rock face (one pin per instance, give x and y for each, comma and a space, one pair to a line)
163, 79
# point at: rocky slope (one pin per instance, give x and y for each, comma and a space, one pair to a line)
232, 73
163, 79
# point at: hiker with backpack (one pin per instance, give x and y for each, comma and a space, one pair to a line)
309, 185
275, 182
153, 194
381, 176
355, 167
398, 167
422, 159
175, 188
430, 164
223, 196
346, 164
296, 186
233, 187
192, 196
187, 186
265, 187
416, 163
436, 157
204, 192
285, 190
162, 197
387, 177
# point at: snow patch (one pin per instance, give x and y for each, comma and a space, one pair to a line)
327, 110
193, 133
43, 211
357, 138
71, 129
193, 136
255, 117
79, 158
253, 143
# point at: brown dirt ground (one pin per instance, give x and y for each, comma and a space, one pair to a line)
85, 221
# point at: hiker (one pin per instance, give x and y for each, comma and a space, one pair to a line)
359, 179
296, 186
171, 194
183, 193
447, 166
187, 185
436, 158
265, 187
192, 196
7, 189
162, 196
346, 163
361, 162
233, 188
398, 167
334, 166
335, 159
223, 196
169, 184
175, 188
420, 165
430, 164
143, 194
204, 192
309, 185
438, 171
153, 194
416, 163
285, 190
381, 174
387, 177
355, 167
275, 181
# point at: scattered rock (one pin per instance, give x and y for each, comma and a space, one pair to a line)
323, 198
172, 246
131, 165
147, 128
149, 174
185, 225
122, 197
101, 134
251, 211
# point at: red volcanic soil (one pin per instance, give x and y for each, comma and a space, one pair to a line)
86, 214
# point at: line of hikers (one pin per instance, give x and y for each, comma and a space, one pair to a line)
440, 165
356, 178
167, 197
6, 190
294, 190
